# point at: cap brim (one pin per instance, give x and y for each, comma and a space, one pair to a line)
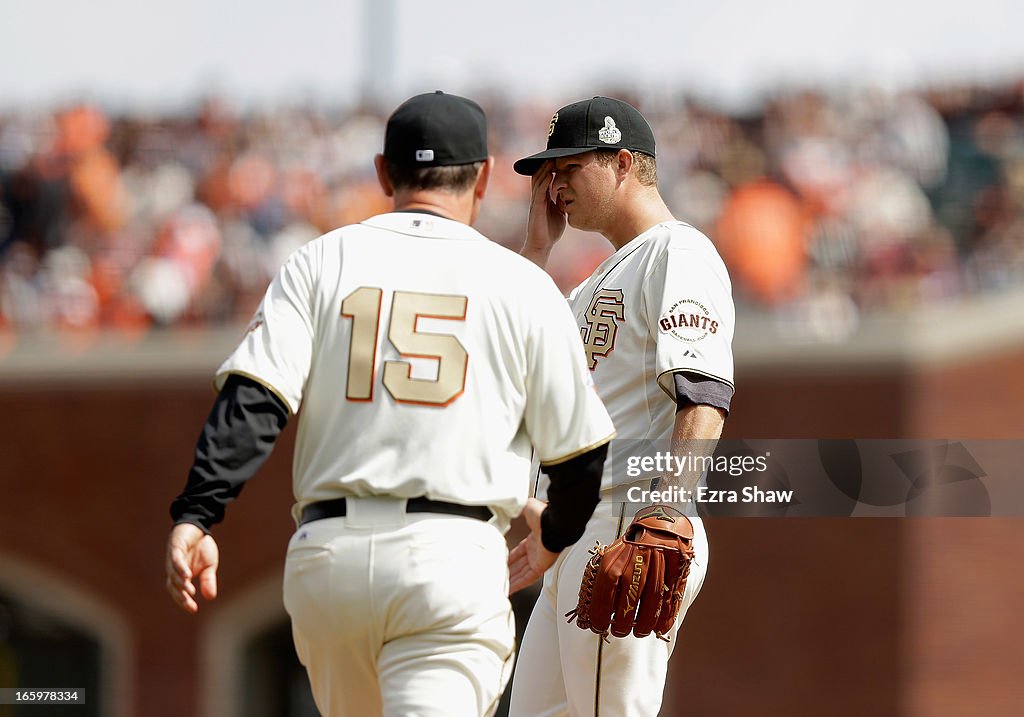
528, 166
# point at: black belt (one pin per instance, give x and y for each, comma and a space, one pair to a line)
336, 508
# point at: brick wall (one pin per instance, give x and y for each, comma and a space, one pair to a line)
798, 616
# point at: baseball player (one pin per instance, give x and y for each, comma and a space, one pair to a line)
656, 320
428, 362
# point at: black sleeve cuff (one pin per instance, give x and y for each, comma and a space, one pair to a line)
693, 388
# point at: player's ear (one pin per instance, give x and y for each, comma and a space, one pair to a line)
382, 176
623, 163
480, 188
481, 179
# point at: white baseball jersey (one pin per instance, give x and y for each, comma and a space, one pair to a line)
659, 305
426, 361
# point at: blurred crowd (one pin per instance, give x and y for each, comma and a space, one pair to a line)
825, 204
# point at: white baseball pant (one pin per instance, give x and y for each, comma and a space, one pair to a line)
397, 614
563, 670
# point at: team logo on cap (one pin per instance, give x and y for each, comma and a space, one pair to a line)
609, 134
551, 124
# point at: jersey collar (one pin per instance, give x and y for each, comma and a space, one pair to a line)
423, 224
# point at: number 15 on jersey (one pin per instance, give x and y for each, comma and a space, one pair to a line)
363, 307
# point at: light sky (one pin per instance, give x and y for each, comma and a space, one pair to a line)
140, 53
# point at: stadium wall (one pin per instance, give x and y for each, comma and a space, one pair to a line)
798, 616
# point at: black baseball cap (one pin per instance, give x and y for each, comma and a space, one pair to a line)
436, 130
597, 123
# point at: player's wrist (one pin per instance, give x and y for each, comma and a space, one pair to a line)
190, 520
536, 252
553, 535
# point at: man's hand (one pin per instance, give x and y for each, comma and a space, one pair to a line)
547, 222
528, 560
191, 554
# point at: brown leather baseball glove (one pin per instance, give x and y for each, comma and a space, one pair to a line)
635, 585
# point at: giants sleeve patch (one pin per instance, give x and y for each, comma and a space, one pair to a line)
688, 320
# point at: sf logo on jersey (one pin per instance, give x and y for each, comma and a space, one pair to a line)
602, 318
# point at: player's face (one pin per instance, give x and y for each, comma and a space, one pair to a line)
583, 188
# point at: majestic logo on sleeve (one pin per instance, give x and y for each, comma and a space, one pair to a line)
688, 320
602, 317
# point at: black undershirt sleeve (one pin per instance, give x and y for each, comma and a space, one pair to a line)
237, 438
574, 492
693, 388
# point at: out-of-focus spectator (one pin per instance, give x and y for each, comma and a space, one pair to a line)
178, 269
826, 203
761, 234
